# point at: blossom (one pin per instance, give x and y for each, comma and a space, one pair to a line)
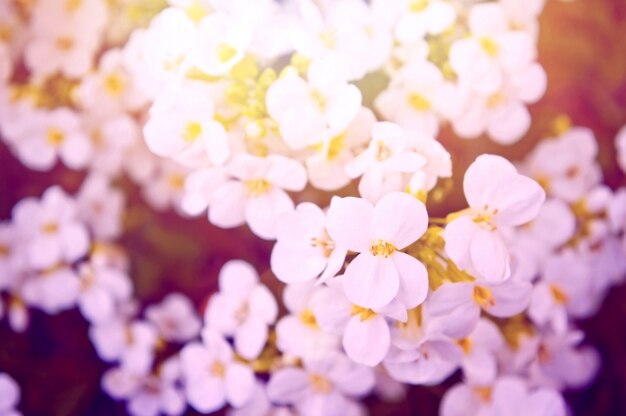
257, 194
175, 318
42, 137
480, 60
304, 250
243, 309
418, 97
383, 163
366, 335
298, 333
498, 196
508, 395
323, 386
100, 206
51, 228
212, 375
421, 17
103, 288
181, 127
147, 394
9, 395
306, 110
461, 303
381, 271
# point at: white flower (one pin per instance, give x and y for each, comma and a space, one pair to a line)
131, 343
200, 185
103, 289
460, 304
181, 127
213, 377
175, 318
243, 309
571, 174
418, 97
564, 287
483, 60
50, 228
381, 271
326, 168
147, 394
382, 165
164, 185
9, 395
43, 137
323, 386
304, 250
100, 206
221, 41
502, 114
299, 334
497, 196
509, 395
158, 55
480, 350
65, 37
110, 89
306, 110
366, 335
257, 194
52, 291
421, 17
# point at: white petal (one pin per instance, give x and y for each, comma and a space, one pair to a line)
371, 282
413, 280
239, 383
400, 219
367, 342
349, 223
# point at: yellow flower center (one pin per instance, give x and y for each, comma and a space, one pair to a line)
257, 187
382, 151
176, 181
363, 313
55, 136
483, 297
65, 43
195, 12
495, 100
465, 344
192, 131
560, 297
419, 102
113, 84
308, 319
217, 369
320, 385
416, 6
382, 248
4, 250
72, 5
225, 52
336, 146
318, 99
483, 393
328, 38
489, 46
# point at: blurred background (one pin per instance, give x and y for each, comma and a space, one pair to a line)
583, 49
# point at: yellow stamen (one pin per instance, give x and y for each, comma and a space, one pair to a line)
465, 344
54, 136
328, 38
257, 187
320, 384
483, 297
489, 46
192, 131
560, 297
363, 313
308, 319
65, 43
336, 146
416, 6
419, 102
483, 393
176, 181
195, 12
382, 248
217, 369
225, 52
113, 84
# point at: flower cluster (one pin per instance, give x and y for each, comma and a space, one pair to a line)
218, 108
